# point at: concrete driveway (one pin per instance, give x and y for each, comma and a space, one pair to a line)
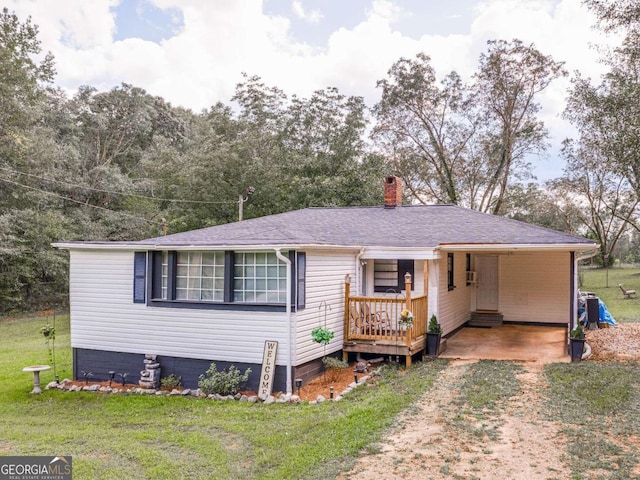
509, 342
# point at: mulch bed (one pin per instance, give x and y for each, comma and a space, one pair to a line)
339, 380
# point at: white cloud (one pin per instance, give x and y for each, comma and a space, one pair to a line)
313, 16
202, 63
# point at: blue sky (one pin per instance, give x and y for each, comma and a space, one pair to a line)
193, 52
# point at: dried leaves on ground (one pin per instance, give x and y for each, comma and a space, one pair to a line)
615, 343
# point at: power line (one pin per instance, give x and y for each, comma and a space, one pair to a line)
176, 200
77, 201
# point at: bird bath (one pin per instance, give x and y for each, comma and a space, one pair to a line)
36, 369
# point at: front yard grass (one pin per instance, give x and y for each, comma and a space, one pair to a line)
598, 406
596, 280
120, 436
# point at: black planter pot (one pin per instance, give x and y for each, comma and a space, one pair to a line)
576, 349
433, 344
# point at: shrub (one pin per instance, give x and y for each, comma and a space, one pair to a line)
225, 382
171, 382
332, 367
578, 332
434, 326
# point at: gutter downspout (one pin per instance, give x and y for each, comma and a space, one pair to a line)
359, 272
289, 329
576, 261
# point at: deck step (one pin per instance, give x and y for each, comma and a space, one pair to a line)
486, 319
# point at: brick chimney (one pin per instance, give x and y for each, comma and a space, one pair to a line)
392, 192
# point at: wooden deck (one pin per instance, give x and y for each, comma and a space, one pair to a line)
371, 325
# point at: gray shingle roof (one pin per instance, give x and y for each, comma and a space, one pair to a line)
424, 226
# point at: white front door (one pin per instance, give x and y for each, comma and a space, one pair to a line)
487, 292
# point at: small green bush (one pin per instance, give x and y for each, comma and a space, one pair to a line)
434, 326
334, 362
171, 382
225, 382
332, 367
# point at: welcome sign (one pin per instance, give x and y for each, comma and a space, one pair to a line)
268, 368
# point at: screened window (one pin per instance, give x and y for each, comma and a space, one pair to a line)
259, 277
385, 274
199, 276
388, 275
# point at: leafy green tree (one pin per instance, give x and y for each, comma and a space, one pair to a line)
424, 128
598, 202
23, 84
510, 76
23, 79
465, 144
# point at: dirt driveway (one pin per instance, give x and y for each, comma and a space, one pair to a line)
435, 439
427, 442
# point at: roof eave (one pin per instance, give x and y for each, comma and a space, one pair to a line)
512, 247
150, 246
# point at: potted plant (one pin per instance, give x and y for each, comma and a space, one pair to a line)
576, 343
434, 333
406, 318
321, 335
48, 331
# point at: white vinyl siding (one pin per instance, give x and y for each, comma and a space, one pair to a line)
104, 317
325, 302
535, 287
454, 306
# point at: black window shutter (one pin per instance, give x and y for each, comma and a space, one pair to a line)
301, 264
405, 266
229, 275
139, 276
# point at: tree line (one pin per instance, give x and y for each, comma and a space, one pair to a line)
121, 164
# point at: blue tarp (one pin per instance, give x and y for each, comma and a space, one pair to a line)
604, 314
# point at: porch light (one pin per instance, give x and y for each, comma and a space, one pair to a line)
407, 277
86, 376
298, 385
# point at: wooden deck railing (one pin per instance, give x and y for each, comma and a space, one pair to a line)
376, 318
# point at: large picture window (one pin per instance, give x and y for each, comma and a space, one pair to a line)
200, 278
259, 278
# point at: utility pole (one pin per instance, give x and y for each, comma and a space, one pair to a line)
244, 196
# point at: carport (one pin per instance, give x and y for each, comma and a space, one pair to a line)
545, 344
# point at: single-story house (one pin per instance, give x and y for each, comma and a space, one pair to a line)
218, 294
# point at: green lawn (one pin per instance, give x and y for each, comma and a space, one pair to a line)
597, 279
161, 437
596, 405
